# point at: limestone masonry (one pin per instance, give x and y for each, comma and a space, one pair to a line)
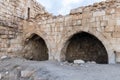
90, 33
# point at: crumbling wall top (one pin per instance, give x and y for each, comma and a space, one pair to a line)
97, 7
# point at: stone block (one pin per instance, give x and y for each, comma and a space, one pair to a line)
97, 24
68, 17
98, 13
80, 16
75, 17
92, 20
39, 78
4, 57
11, 36
79, 62
111, 22
2, 31
110, 11
93, 24
103, 23
0, 76
118, 22
77, 10
109, 28
4, 36
84, 21
86, 15
116, 16
117, 28
117, 57
26, 73
97, 19
116, 35
78, 22
117, 10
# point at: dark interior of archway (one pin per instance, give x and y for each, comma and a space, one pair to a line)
86, 47
36, 49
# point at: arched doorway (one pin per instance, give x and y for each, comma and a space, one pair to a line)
86, 47
35, 48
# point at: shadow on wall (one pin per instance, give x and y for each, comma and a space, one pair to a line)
86, 47
35, 48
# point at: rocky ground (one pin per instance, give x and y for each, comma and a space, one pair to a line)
21, 69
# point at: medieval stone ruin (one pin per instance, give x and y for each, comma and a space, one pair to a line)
90, 33
32, 40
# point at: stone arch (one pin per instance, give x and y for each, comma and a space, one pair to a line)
100, 37
35, 48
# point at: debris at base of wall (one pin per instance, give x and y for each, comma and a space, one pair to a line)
26, 73
4, 57
6, 72
79, 62
71, 64
39, 78
91, 62
66, 62
0, 76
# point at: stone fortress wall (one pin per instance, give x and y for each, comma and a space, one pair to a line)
12, 13
99, 22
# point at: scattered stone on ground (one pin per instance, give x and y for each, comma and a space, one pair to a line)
26, 73
21, 69
5, 57
79, 62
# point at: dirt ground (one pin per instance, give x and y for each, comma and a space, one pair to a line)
21, 69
